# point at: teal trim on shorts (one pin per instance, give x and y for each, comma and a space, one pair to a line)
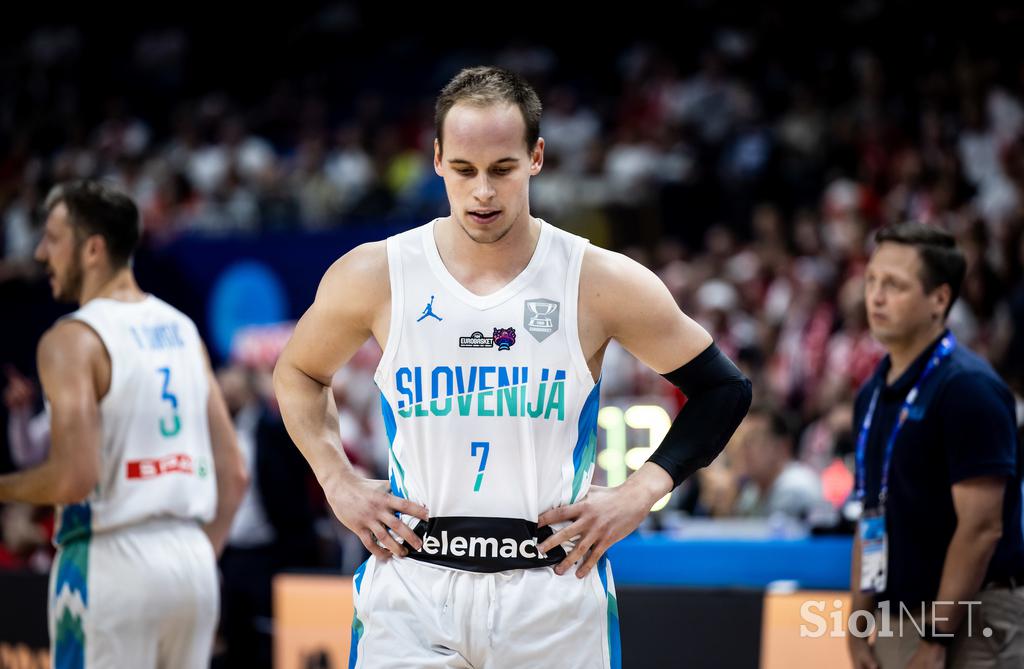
72, 575
614, 640
357, 624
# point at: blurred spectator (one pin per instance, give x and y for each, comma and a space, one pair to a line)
25, 531
349, 167
28, 433
274, 528
20, 229
776, 483
569, 128
320, 201
851, 351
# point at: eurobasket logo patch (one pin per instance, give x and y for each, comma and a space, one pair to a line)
504, 338
476, 340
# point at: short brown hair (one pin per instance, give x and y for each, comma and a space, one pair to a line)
941, 261
99, 208
782, 425
484, 86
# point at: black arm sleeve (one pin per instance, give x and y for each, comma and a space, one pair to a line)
717, 398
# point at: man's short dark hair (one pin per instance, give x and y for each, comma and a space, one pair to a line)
941, 261
780, 423
484, 86
98, 208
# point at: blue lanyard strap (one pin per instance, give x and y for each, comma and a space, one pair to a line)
943, 351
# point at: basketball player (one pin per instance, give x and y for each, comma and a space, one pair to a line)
142, 464
490, 407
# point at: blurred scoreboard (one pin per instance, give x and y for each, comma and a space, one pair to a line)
627, 436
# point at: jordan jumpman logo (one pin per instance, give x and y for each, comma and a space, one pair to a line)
429, 311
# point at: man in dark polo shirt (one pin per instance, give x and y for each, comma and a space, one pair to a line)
938, 476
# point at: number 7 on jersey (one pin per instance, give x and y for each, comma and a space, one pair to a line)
480, 446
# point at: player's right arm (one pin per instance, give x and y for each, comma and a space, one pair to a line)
74, 372
353, 296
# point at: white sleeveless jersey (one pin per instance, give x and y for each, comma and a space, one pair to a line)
488, 402
155, 455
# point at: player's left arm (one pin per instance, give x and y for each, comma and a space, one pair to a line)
978, 503
979, 435
622, 299
231, 472
68, 356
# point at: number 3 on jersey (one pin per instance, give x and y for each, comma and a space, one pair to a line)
480, 446
168, 396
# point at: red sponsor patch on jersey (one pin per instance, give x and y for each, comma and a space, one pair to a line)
168, 464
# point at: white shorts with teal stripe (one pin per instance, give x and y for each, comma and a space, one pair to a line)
414, 614
142, 597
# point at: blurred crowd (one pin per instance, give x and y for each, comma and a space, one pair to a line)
748, 174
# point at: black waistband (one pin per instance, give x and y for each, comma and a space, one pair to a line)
474, 543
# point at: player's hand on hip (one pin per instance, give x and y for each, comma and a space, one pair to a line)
604, 516
367, 507
600, 519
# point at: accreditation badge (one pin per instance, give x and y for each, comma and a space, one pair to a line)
874, 553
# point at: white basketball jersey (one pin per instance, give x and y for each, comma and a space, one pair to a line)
155, 459
488, 402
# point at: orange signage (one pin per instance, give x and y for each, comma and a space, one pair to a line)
312, 621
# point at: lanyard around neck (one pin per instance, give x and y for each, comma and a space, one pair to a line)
943, 351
